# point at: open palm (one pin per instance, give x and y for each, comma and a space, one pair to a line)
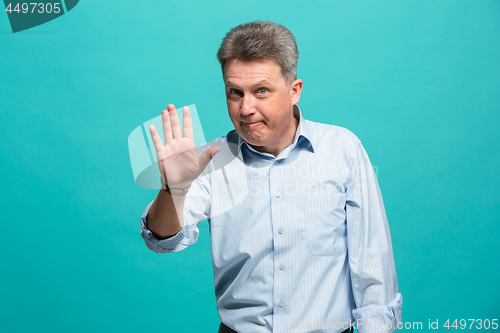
178, 161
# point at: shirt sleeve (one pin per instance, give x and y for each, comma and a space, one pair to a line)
371, 259
196, 209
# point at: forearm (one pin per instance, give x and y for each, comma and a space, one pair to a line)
165, 217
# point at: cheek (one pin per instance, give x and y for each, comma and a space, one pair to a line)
232, 109
275, 112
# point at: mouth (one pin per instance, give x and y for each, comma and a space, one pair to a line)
250, 124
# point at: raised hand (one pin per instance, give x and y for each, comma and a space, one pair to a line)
178, 161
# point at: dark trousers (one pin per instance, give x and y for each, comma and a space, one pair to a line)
224, 329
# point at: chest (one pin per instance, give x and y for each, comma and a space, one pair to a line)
252, 203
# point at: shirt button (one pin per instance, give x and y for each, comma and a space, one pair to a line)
281, 303
280, 230
278, 194
275, 161
282, 266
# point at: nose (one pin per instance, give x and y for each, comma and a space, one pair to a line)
247, 105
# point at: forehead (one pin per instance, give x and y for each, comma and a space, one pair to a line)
248, 72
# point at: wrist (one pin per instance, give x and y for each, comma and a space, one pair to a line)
176, 190
180, 186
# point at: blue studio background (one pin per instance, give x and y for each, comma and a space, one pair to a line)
417, 81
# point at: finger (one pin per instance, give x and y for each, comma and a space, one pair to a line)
175, 124
156, 138
170, 107
208, 155
167, 128
187, 123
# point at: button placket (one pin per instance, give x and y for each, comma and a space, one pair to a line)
276, 185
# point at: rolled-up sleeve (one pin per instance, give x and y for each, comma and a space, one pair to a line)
371, 259
196, 209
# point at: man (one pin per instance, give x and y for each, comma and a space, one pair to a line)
309, 247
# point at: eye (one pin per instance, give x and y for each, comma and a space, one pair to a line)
234, 91
262, 91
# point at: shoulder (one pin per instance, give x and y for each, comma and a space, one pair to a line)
231, 137
332, 136
228, 145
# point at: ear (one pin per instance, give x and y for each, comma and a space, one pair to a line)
296, 89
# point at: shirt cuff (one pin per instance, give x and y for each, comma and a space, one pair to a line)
379, 319
172, 244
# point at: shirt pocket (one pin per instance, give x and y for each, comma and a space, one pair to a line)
325, 224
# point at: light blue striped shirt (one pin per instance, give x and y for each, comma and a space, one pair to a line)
300, 242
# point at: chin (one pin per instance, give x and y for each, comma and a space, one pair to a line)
256, 143
255, 140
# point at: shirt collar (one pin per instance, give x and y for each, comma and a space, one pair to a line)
303, 137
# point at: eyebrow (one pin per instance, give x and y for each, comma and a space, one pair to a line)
255, 85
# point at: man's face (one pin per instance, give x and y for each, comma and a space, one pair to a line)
260, 104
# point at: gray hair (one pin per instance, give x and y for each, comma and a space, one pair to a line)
261, 40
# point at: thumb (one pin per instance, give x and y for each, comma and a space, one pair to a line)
208, 155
